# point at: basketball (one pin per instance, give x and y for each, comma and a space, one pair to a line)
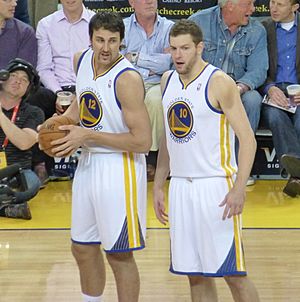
49, 132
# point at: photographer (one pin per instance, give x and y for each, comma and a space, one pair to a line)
18, 122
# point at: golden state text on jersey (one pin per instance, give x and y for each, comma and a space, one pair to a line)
181, 120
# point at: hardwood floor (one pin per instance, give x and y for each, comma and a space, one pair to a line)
37, 266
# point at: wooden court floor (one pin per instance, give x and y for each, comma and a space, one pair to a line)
36, 264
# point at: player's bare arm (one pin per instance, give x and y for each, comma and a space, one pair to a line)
161, 174
162, 171
130, 93
224, 95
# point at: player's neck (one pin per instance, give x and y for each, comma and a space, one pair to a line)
102, 68
194, 72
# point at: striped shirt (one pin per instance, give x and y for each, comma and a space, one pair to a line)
28, 116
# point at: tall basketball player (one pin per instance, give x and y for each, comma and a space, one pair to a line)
202, 111
109, 188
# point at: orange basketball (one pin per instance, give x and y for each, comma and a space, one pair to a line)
49, 132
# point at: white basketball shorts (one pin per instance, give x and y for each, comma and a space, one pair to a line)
201, 242
109, 201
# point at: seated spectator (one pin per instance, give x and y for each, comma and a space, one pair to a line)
18, 123
146, 43
18, 40
21, 12
283, 33
61, 35
237, 44
41, 9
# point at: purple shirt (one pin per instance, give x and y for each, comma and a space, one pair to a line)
17, 40
58, 41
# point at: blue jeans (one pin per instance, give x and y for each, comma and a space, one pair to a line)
285, 129
252, 104
32, 186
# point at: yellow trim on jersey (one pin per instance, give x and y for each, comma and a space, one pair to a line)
239, 255
134, 193
200, 72
225, 150
240, 261
131, 200
225, 147
96, 76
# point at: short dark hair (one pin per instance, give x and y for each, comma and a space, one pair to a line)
293, 2
108, 20
184, 27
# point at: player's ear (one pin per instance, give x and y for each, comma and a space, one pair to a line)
200, 47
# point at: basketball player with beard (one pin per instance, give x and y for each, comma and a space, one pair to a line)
110, 187
202, 114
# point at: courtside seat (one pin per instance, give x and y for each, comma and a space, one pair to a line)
266, 163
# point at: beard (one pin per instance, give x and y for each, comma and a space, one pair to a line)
187, 67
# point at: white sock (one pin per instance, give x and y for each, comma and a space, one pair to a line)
87, 298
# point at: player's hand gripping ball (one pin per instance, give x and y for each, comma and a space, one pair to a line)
49, 132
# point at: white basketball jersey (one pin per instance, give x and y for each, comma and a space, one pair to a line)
99, 108
200, 140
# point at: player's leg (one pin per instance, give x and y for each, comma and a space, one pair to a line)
242, 289
123, 219
203, 289
126, 275
90, 262
85, 233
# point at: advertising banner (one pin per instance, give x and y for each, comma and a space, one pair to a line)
171, 9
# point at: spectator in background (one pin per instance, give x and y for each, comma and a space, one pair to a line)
61, 35
21, 11
40, 9
17, 39
146, 47
283, 32
238, 45
18, 123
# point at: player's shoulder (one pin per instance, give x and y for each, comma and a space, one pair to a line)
219, 78
165, 77
130, 74
129, 77
78, 57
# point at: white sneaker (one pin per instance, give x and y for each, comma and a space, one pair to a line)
250, 181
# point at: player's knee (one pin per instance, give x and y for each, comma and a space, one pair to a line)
83, 252
199, 280
237, 283
118, 258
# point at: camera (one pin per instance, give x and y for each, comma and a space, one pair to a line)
4, 75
